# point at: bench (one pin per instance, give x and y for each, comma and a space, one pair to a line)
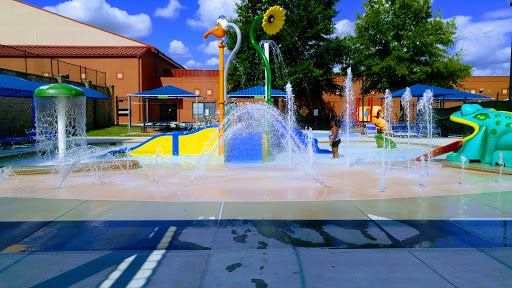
155, 125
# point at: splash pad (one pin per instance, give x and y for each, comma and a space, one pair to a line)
252, 156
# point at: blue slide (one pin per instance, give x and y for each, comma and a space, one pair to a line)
304, 140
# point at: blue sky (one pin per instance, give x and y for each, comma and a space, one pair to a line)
176, 26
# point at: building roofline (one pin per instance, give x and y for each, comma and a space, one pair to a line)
82, 23
163, 55
153, 49
21, 48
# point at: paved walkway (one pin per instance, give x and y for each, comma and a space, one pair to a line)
448, 241
439, 241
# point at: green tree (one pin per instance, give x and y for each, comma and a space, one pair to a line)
308, 48
402, 43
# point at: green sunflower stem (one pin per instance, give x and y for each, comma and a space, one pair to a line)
262, 54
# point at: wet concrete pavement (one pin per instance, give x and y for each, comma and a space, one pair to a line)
445, 241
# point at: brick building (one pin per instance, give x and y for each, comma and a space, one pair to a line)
491, 86
44, 43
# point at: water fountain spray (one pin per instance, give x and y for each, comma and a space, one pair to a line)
422, 174
405, 101
501, 164
388, 109
349, 94
311, 153
60, 118
280, 67
463, 161
291, 119
426, 111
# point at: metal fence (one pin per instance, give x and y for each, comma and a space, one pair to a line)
25, 61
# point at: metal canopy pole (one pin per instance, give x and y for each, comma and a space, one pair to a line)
129, 114
267, 54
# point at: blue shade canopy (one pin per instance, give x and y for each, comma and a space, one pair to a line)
418, 90
165, 92
90, 93
461, 96
256, 91
439, 93
11, 86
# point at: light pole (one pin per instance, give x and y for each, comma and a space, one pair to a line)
362, 69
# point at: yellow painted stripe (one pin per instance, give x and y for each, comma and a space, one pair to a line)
466, 122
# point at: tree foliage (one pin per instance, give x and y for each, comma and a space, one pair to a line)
308, 49
402, 43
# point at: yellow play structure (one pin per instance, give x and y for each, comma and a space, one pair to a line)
177, 143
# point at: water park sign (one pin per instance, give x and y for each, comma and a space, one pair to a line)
304, 111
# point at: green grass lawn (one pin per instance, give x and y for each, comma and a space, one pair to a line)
117, 131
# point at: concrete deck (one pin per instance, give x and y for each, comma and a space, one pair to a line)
256, 228
445, 241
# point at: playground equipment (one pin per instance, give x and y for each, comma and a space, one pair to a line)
220, 31
383, 141
492, 136
177, 143
244, 145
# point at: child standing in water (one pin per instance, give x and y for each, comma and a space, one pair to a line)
334, 137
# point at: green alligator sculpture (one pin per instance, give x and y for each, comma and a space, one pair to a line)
492, 135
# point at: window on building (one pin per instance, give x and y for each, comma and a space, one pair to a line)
473, 91
505, 91
84, 76
46, 74
197, 92
203, 110
209, 92
119, 75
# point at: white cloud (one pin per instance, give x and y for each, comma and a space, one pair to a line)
178, 49
213, 62
171, 11
344, 27
100, 14
192, 64
503, 13
212, 48
486, 43
208, 12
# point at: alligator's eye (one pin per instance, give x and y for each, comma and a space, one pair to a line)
481, 116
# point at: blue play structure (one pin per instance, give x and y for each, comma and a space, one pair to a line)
303, 137
244, 148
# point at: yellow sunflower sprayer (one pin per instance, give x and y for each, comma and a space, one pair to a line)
272, 22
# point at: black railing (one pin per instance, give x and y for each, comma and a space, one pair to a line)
25, 61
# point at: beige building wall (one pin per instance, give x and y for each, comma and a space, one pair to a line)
491, 86
23, 24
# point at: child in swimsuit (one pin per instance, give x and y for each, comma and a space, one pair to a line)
334, 137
